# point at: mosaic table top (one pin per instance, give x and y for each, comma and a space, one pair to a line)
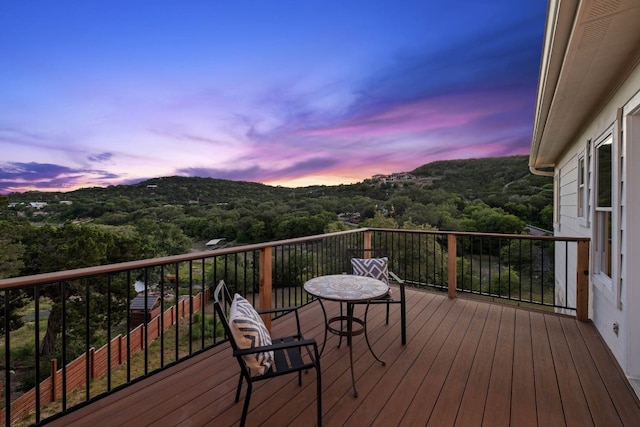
346, 287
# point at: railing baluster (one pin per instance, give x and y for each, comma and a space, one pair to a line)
36, 350
128, 327
145, 323
7, 358
63, 298
87, 338
109, 355
176, 319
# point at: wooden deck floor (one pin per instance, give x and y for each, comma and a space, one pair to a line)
466, 363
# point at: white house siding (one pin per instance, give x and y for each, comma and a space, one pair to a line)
630, 219
566, 224
617, 302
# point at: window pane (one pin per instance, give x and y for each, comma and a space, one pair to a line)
604, 174
604, 243
581, 189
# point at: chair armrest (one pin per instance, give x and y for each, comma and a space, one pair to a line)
396, 278
284, 310
279, 346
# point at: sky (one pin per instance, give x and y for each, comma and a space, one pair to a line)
281, 92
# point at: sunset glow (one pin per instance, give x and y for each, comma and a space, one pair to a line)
285, 93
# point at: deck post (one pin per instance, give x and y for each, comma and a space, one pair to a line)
451, 265
366, 243
266, 283
582, 281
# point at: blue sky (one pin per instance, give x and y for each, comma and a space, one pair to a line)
292, 93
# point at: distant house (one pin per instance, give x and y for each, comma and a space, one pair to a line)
586, 135
216, 243
142, 310
394, 177
152, 186
352, 217
401, 176
66, 202
37, 205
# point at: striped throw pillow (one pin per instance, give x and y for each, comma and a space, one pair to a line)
371, 267
249, 331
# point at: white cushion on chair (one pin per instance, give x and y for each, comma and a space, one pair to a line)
371, 267
249, 331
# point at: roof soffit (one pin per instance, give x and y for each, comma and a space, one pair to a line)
603, 46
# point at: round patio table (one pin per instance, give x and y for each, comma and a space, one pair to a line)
349, 289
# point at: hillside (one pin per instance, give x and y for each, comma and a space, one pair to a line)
470, 178
449, 195
479, 178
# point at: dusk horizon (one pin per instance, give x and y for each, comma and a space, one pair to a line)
151, 180
282, 94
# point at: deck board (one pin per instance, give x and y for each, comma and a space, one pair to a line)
523, 392
548, 402
499, 392
474, 397
466, 363
443, 412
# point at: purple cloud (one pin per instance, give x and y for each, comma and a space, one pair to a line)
258, 173
20, 177
100, 158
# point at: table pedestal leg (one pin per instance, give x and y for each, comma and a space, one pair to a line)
350, 319
366, 337
326, 326
349, 344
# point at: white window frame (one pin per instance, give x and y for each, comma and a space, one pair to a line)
603, 227
556, 202
582, 187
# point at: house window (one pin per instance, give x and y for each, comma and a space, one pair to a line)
603, 207
582, 172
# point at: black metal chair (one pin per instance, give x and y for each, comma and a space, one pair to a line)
392, 296
287, 353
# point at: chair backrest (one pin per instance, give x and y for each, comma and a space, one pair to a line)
246, 330
222, 302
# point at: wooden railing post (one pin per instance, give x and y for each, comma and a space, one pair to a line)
452, 283
265, 277
366, 243
582, 281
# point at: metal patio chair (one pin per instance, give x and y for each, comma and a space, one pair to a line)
374, 263
260, 357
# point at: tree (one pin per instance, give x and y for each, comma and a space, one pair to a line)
484, 219
335, 226
379, 221
70, 246
11, 253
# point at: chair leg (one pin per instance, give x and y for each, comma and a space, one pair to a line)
319, 394
341, 327
403, 322
245, 407
239, 388
388, 313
